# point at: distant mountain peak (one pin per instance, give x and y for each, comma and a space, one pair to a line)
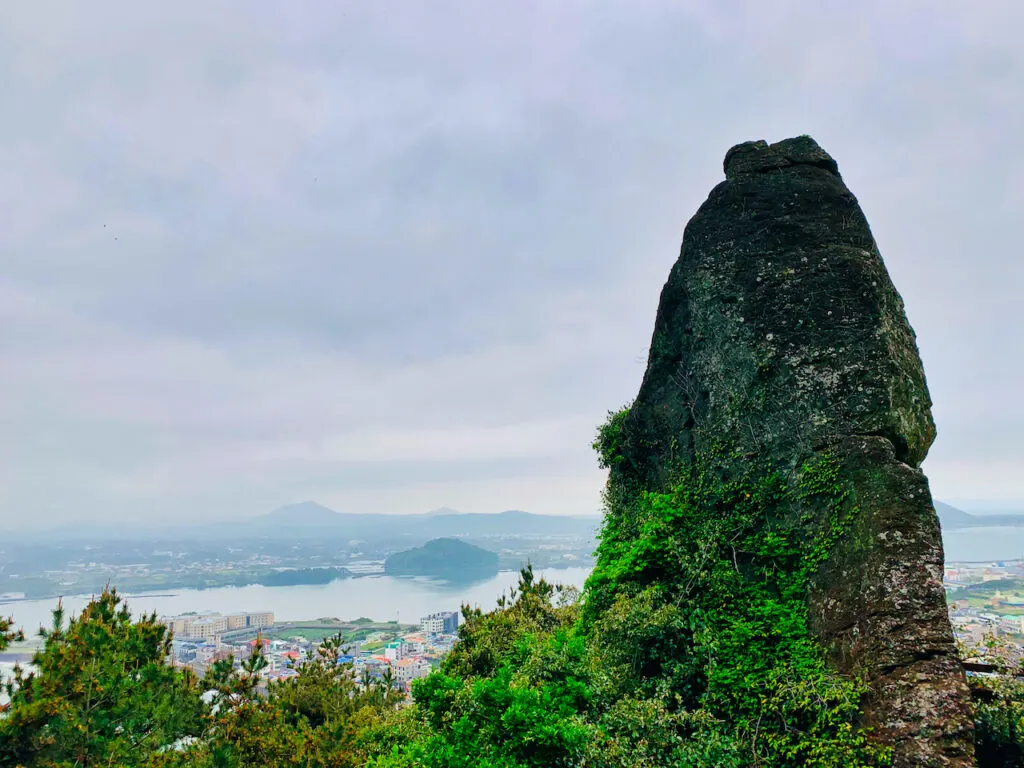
441, 511
304, 512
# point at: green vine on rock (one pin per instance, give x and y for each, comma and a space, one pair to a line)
708, 604
691, 645
820, 480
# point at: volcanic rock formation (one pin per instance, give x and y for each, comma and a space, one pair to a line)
780, 333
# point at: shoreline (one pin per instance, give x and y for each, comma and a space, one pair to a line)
158, 593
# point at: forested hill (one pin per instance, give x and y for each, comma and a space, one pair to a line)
442, 557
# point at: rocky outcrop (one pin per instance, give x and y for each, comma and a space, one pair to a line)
780, 334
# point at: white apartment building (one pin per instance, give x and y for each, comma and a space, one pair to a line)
445, 622
405, 670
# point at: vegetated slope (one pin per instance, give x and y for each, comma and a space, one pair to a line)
442, 557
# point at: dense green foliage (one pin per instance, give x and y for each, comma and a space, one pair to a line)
699, 601
101, 693
998, 721
691, 646
536, 682
513, 692
442, 557
608, 443
998, 704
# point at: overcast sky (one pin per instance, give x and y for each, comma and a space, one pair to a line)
395, 255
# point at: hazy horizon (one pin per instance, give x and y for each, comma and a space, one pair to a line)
971, 507
168, 525
256, 253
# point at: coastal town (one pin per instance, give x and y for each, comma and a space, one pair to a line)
378, 651
986, 601
986, 604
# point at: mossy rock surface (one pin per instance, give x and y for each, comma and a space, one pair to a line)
780, 337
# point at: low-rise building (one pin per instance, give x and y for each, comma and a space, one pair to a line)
395, 650
178, 625
207, 627
415, 644
1011, 625
406, 670
441, 623
205, 654
260, 619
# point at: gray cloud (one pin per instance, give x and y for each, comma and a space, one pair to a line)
394, 256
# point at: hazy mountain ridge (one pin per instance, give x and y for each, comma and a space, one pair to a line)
311, 518
307, 519
304, 511
953, 518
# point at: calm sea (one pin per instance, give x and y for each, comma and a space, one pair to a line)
974, 544
382, 598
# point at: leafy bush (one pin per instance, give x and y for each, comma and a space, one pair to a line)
998, 705
608, 442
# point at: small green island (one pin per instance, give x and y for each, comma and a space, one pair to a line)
444, 558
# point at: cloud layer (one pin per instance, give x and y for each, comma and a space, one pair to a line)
394, 256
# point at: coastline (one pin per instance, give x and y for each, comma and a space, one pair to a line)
173, 591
